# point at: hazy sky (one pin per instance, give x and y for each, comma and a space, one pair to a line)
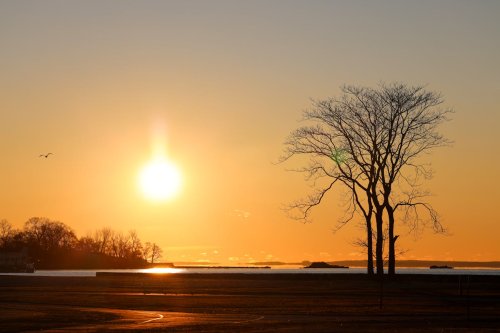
219, 85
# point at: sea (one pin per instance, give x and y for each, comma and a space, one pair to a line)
246, 270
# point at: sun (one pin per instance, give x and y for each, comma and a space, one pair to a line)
160, 180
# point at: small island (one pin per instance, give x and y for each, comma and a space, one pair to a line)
440, 267
322, 264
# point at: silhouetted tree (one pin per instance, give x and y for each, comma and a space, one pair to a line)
369, 140
102, 238
6, 232
48, 239
87, 244
411, 116
135, 243
152, 252
340, 144
52, 244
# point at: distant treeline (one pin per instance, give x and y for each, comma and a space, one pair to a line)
54, 245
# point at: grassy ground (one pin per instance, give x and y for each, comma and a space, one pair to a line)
250, 303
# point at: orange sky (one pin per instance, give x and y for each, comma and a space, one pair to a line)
224, 82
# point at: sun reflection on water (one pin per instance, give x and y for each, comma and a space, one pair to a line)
162, 270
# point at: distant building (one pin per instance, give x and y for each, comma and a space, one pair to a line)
16, 262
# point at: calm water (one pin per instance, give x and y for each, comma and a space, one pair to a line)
92, 273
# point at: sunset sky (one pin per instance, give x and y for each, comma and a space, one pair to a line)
215, 87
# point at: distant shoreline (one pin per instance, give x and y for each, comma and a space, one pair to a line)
399, 263
278, 264
337, 263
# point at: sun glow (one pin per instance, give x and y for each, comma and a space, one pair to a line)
162, 270
160, 180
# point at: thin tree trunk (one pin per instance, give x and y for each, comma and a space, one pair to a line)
379, 246
369, 244
392, 242
392, 255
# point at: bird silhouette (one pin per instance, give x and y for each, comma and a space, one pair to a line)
45, 155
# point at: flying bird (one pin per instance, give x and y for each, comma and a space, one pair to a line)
46, 155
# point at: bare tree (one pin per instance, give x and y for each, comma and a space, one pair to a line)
102, 238
367, 140
49, 235
135, 243
87, 244
340, 145
152, 252
119, 244
411, 117
6, 231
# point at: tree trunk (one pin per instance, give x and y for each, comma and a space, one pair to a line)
379, 246
369, 245
392, 242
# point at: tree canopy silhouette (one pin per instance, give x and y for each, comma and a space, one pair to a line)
371, 140
54, 245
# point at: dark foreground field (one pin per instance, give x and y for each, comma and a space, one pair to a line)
250, 303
